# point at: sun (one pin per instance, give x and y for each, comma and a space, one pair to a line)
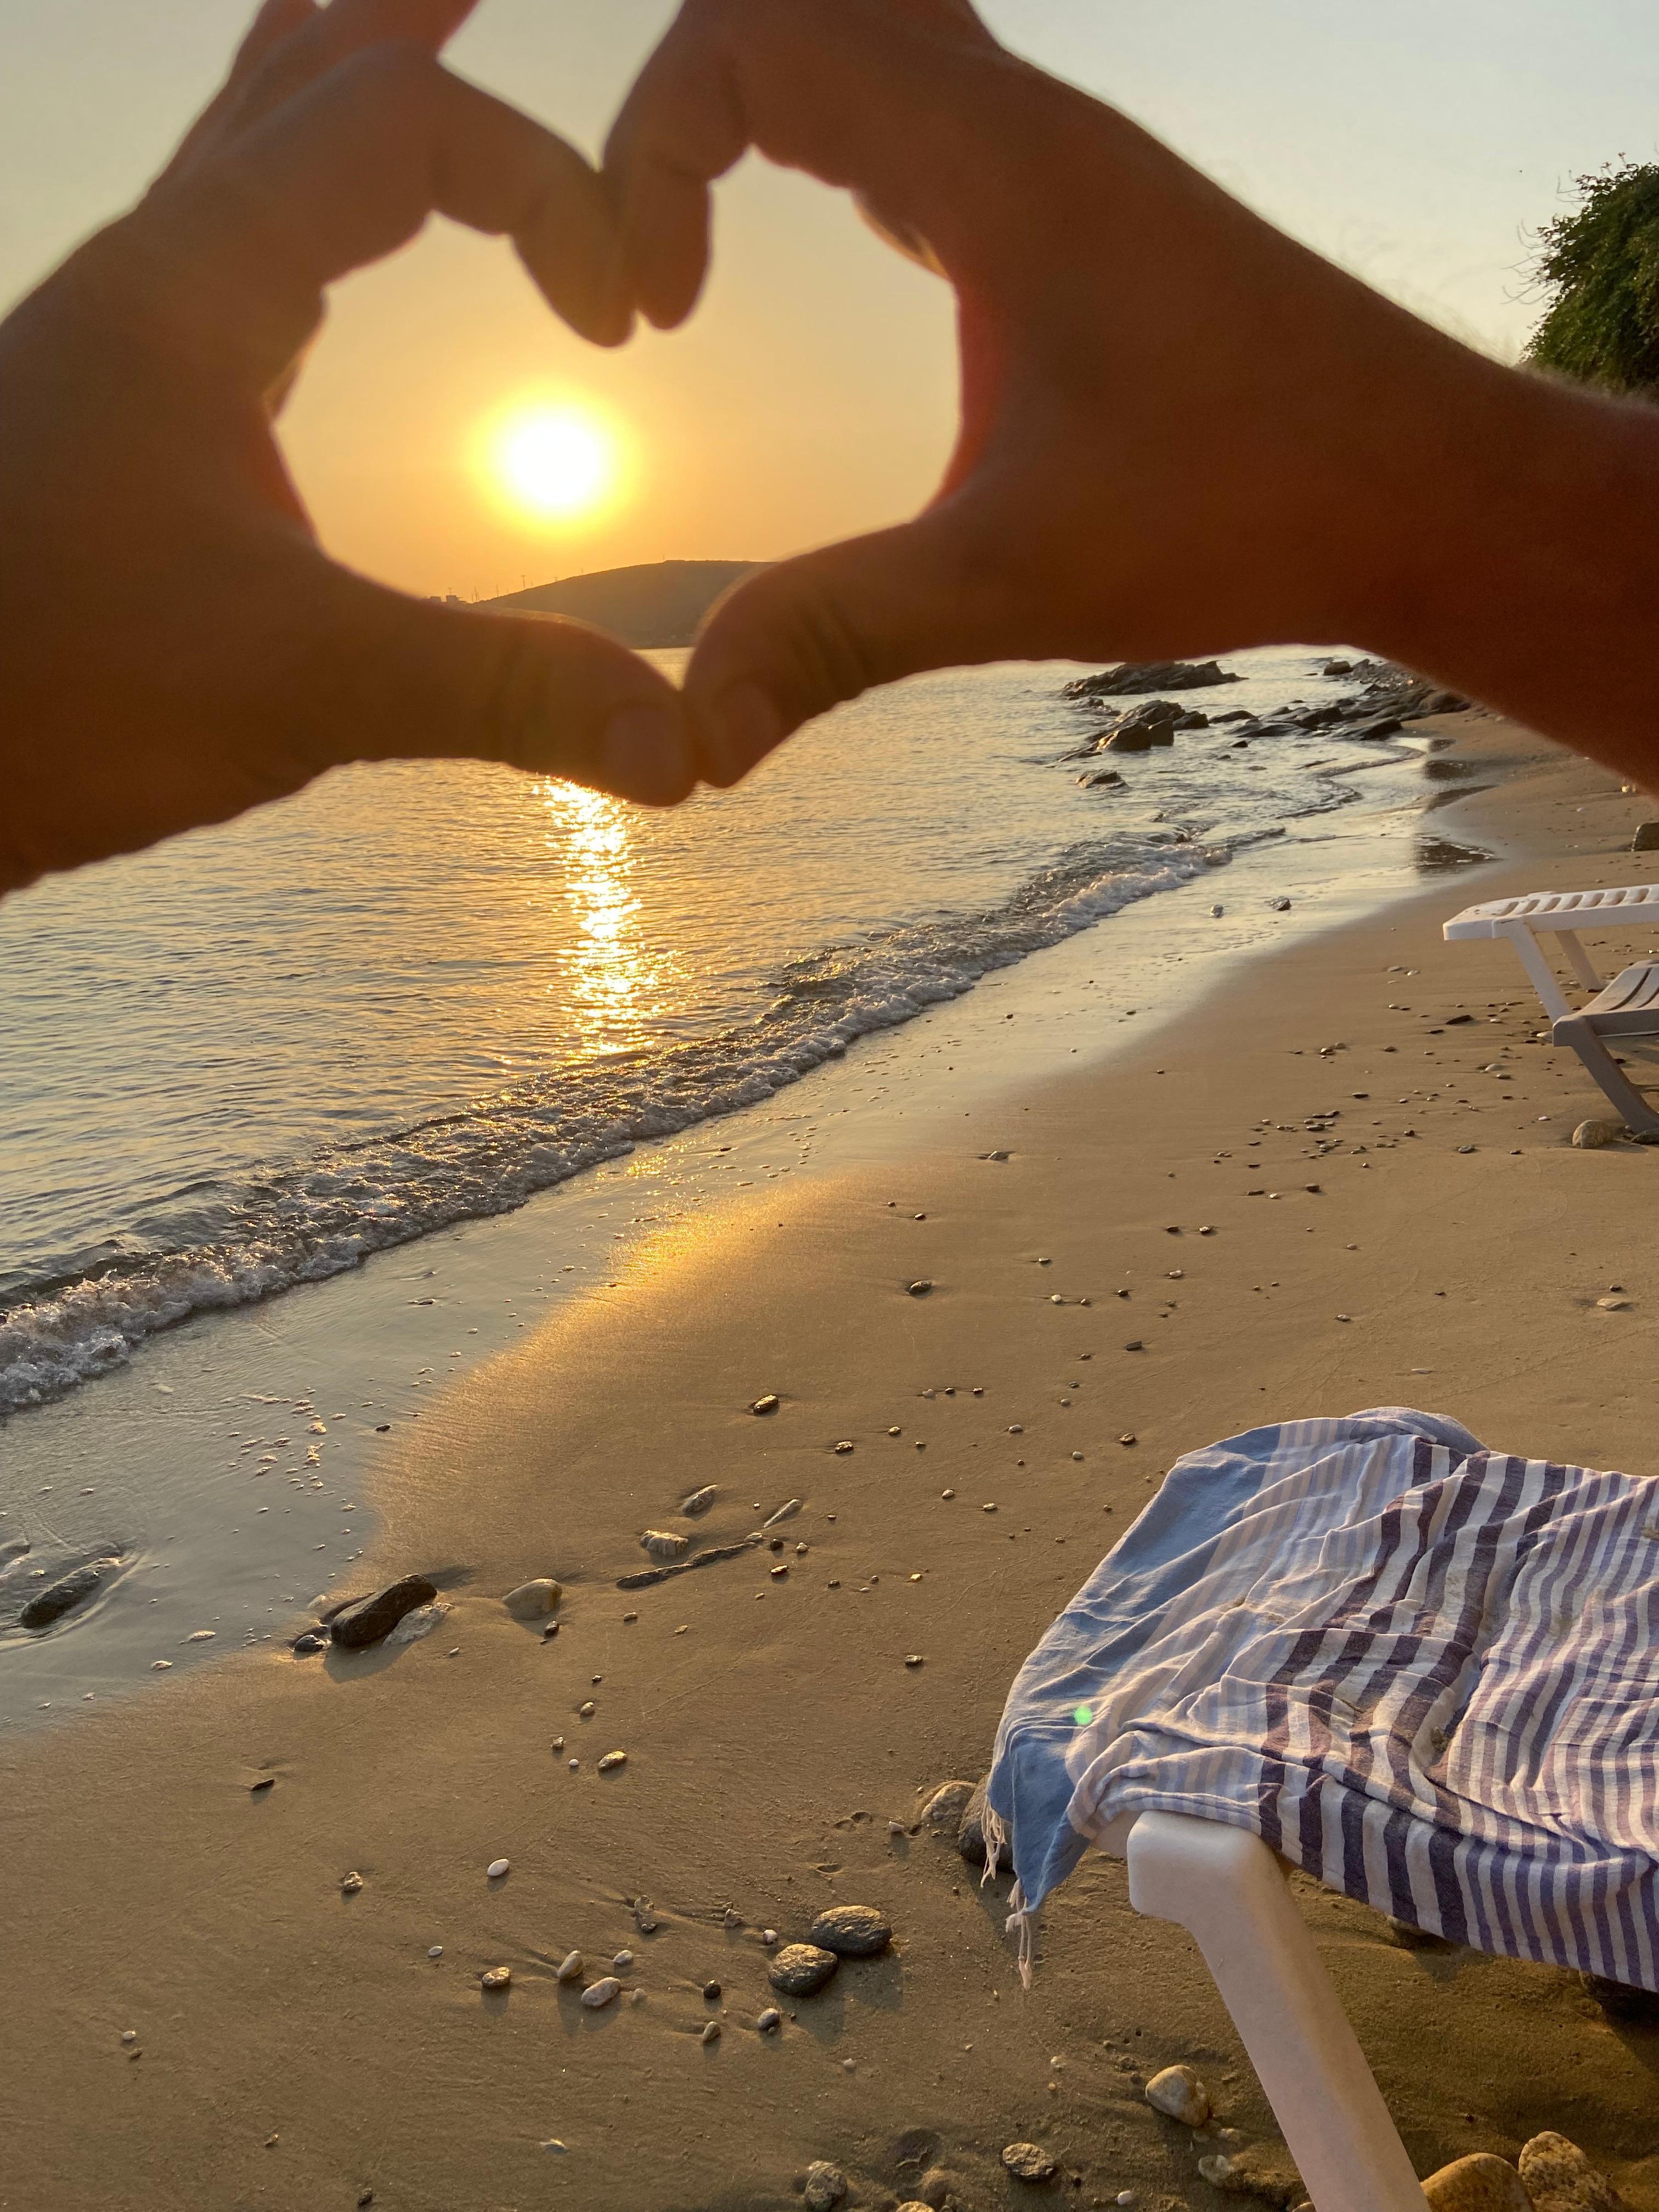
555, 463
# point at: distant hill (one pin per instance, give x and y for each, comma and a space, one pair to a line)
659, 603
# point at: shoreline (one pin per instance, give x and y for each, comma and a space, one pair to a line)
772, 1726
210, 1473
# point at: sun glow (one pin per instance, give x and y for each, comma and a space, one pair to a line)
555, 462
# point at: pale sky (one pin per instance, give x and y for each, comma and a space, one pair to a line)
1420, 144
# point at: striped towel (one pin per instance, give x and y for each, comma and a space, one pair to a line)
1423, 1672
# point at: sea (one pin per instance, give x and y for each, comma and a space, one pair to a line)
416, 996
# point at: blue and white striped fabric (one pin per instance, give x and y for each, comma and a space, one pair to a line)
1426, 1673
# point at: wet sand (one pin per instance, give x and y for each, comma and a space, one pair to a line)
299, 2046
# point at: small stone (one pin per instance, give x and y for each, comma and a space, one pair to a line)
570, 1970
165, 1666
1128, 1438
497, 1868
770, 1938
1646, 839
128, 2035
1481, 2183
1614, 1305
970, 1835
700, 1500
586, 1710
644, 1916
851, 1931
350, 1884
1559, 2178
732, 1917
265, 1781
665, 1544
844, 1446
1259, 2170
623, 1961
558, 1743
434, 1951
597, 1994
1028, 2161
826, 2187
770, 2020
1135, 1344
612, 1761
800, 1970
711, 2033
497, 1977
370, 1619
914, 1659
1590, 1136
50, 1605
1178, 2092
919, 1290
769, 1404
199, 1636
945, 1808
534, 1601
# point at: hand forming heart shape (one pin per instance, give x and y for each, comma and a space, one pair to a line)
1180, 429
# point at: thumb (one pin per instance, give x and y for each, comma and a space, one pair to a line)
798, 638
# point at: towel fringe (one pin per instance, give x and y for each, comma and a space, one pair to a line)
1022, 1918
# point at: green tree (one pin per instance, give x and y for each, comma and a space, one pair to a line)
1598, 266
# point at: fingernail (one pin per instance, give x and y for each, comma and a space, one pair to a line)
743, 727
643, 752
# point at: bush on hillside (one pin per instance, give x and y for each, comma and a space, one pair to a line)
1598, 266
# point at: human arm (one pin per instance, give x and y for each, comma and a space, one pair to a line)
174, 645
1180, 430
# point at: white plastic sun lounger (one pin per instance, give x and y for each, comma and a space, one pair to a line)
1628, 1007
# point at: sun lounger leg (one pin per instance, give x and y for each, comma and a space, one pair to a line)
1620, 1090
1543, 976
1579, 961
1226, 1887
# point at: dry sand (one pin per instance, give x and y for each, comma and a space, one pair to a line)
299, 2048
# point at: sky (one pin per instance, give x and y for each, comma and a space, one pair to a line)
1421, 145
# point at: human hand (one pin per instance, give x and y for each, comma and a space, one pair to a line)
1180, 429
174, 646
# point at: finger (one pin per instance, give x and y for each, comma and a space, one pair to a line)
378, 676
328, 35
348, 172
276, 21
801, 637
860, 93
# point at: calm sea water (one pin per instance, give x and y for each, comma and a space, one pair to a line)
417, 994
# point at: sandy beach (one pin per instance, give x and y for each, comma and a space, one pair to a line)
1438, 1244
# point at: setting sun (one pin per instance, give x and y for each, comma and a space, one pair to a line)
555, 462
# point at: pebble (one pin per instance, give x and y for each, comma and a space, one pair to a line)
770, 1938
128, 2035
914, 1659
645, 1917
711, 1991
665, 1544
799, 1970
534, 1601
497, 1977
826, 2187
165, 1666
597, 1994
612, 1761
350, 1885
435, 1950
945, 1808
919, 1290
62, 1597
558, 1743
369, 1620
851, 1931
769, 1404
844, 1446
1481, 2183
571, 1968
701, 1500
199, 1636
785, 1512
1559, 2178
770, 2020
497, 1867
1029, 2162
711, 2033
1590, 1136
1178, 2092
586, 1710
970, 1834
1614, 1305
623, 1961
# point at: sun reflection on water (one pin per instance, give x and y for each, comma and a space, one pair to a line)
612, 983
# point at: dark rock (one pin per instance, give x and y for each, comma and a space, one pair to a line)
356, 1626
64, 1596
800, 1970
1030, 2162
1371, 732
1107, 780
970, 1836
305, 1646
851, 1931
1234, 714
329, 1612
1337, 668
1646, 839
1138, 740
1130, 676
